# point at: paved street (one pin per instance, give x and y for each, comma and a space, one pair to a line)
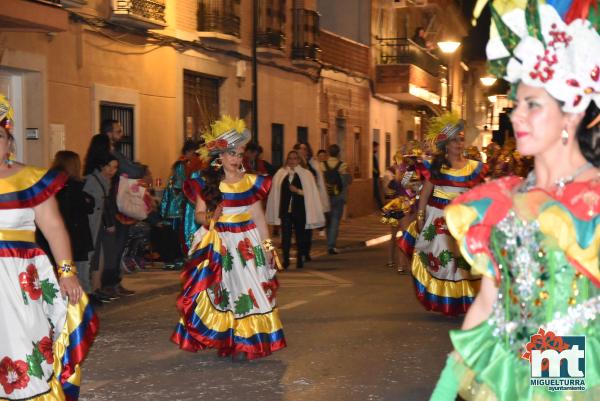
354, 330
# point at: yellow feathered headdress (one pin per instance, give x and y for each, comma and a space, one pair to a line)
224, 134
444, 128
6, 112
414, 148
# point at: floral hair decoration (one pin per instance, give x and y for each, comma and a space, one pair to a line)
6, 113
535, 46
224, 134
443, 129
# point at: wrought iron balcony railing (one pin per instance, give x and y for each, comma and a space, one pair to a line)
148, 14
271, 24
306, 35
405, 51
270, 39
220, 16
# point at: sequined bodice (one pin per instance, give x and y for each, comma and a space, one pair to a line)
539, 287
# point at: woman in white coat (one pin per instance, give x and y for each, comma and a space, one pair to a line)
294, 204
311, 164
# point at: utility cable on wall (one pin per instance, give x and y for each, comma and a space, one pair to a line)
99, 25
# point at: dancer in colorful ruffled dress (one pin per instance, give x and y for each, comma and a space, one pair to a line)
43, 337
535, 240
228, 300
401, 185
442, 278
172, 205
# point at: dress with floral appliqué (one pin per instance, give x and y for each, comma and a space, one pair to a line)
43, 339
228, 299
443, 280
541, 249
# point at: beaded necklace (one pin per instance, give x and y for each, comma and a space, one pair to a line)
560, 184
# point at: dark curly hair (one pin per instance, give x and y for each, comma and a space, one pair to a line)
97, 153
589, 138
212, 177
438, 162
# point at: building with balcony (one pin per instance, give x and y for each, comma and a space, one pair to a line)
164, 68
328, 71
422, 79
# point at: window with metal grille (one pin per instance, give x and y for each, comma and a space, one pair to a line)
277, 145
302, 135
324, 138
123, 113
219, 16
305, 44
200, 102
271, 24
356, 153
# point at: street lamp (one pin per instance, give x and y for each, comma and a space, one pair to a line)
487, 80
448, 47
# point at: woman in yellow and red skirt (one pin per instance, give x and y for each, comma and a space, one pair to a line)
442, 278
228, 299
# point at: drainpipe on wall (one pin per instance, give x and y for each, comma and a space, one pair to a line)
254, 71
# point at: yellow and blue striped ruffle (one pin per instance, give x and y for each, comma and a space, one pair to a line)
445, 296
29, 187
257, 335
72, 346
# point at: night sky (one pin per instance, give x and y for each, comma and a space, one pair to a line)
474, 44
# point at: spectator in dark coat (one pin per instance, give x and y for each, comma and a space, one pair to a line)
75, 205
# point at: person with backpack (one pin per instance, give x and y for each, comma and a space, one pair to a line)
337, 180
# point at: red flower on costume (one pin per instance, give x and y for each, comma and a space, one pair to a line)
251, 295
434, 263
545, 340
245, 248
13, 374
270, 289
45, 348
218, 144
30, 282
440, 226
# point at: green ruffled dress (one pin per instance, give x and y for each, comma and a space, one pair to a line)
542, 250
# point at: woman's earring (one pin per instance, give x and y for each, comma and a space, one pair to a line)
242, 168
564, 136
217, 163
9, 159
